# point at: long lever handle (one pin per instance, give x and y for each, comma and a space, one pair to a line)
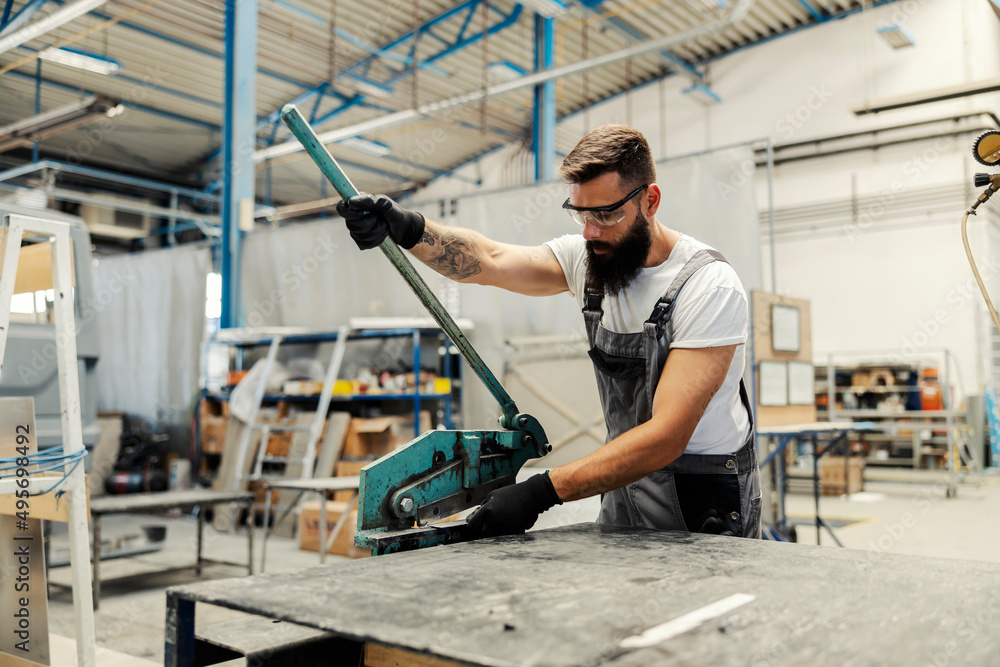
307, 137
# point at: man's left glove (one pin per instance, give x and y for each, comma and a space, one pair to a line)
511, 510
371, 218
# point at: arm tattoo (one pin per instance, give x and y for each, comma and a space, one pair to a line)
708, 400
452, 255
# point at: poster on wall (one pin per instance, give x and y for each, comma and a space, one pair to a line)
785, 329
773, 383
801, 383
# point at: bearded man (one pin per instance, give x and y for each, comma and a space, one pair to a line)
667, 321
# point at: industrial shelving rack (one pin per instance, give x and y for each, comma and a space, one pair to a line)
416, 329
938, 431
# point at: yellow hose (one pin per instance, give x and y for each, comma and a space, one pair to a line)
975, 271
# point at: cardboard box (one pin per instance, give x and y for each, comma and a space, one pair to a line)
279, 444
837, 477
372, 438
309, 529
303, 387
348, 469
213, 433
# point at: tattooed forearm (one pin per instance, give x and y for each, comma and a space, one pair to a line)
449, 254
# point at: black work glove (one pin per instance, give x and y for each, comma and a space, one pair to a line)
371, 217
512, 510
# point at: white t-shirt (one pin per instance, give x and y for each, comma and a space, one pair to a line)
711, 311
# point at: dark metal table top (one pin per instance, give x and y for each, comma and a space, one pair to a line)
580, 595
146, 502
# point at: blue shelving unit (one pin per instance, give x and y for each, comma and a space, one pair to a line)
245, 339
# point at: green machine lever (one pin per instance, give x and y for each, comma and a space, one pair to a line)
440, 472
328, 165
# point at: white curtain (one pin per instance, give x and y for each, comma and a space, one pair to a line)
312, 275
151, 316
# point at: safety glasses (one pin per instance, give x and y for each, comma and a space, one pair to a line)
602, 216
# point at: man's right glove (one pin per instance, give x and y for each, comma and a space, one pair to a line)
370, 218
511, 510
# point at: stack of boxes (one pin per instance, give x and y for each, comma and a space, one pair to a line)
366, 441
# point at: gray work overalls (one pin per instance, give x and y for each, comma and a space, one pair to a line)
694, 488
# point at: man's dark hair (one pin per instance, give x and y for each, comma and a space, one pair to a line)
616, 148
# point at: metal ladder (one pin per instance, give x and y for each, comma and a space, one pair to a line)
315, 430
14, 228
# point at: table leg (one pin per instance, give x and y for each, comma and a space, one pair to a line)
815, 448
268, 499
250, 532
322, 527
179, 637
96, 576
340, 523
201, 528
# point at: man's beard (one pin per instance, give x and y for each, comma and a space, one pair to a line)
613, 271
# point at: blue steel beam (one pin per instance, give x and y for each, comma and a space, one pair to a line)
129, 105
360, 99
239, 142
191, 46
145, 83
544, 125
812, 10
623, 27
706, 61
6, 13
23, 15
461, 42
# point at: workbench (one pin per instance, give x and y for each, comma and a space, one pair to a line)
834, 434
149, 503
588, 595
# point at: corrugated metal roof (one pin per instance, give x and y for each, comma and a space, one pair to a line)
172, 76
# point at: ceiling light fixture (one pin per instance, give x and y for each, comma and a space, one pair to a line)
896, 36
547, 7
503, 71
81, 60
702, 94
50, 123
374, 148
50, 22
367, 86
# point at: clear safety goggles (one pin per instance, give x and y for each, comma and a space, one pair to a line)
602, 216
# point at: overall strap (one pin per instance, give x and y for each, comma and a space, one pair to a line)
592, 299
665, 306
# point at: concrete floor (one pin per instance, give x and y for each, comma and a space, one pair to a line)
911, 518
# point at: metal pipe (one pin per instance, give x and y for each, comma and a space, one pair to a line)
529, 81
770, 213
123, 205
90, 172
